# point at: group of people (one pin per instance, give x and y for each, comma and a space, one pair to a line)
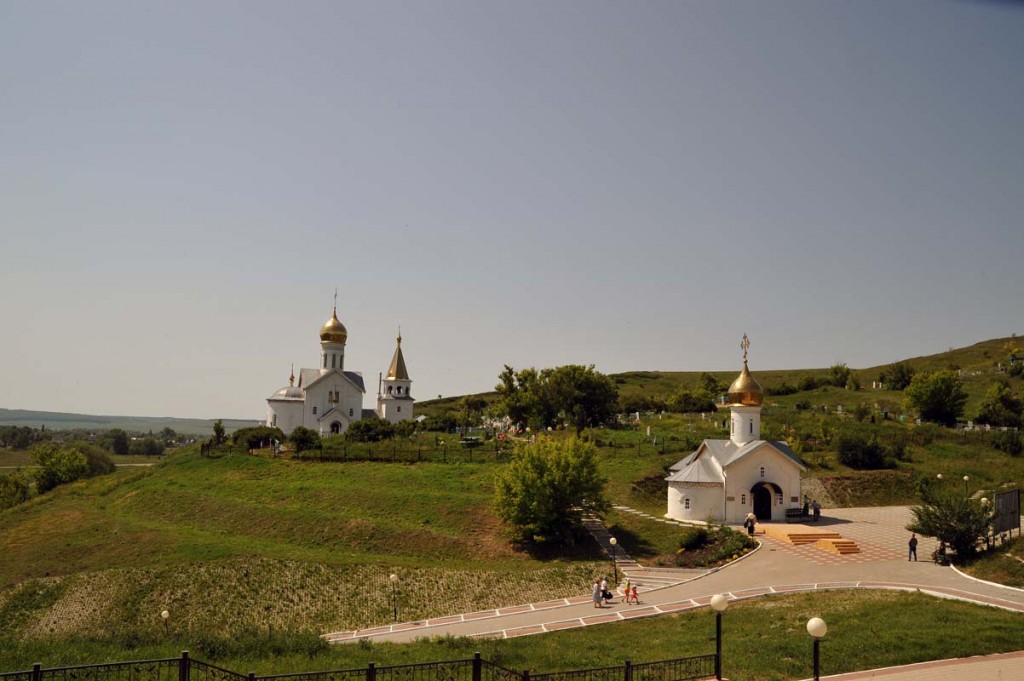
812, 509
602, 594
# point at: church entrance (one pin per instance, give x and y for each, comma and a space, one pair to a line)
335, 428
761, 493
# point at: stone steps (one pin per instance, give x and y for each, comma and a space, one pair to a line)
840, 546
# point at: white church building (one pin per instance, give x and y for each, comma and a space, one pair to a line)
724, 480
328, 399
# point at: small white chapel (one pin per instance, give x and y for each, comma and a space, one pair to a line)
329, 399
724, 480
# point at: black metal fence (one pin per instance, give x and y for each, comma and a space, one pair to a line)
185, 668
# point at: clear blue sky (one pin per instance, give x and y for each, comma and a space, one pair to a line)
634, 185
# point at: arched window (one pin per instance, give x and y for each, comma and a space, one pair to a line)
399, 411
751, 426
686, 503
351, 412
325, 361
778, 499
762, 471
743, 499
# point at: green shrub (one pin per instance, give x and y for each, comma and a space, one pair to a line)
1009, 442
693, 538
303, 439
858, 453
370, 430
257, 436
58, 465
13, 490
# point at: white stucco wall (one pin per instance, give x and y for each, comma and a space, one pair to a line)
745, 424
705, 502
744, 474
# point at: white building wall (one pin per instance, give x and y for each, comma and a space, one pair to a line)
746, 473
745, 424
332, 356
705, 502
288, 415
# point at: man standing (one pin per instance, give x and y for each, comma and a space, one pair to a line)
912, 544
816, 510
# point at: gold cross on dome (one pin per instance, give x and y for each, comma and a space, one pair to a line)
745, 345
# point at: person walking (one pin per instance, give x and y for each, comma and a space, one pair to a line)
816, 510
597, 596
605, 594
912, 545
625, 592
749, 523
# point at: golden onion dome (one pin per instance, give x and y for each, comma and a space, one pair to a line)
745, 390
333, 331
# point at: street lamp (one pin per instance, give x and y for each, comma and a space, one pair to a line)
718, 603
817, 628
966, 478
164, 615
615, 565
394, 595
939, 476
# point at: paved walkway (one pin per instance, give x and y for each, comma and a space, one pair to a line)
776, 567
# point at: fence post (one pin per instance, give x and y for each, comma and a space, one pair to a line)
371, 672
37, 671
252, 676
629, 671
477, 667
184, 665
526, 675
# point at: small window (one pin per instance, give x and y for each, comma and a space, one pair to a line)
743, 499
314, 411
751, 427
351, 412
762, 471
333, 358
273, 421
399, 390
389, 390
686, 504
399, 409
778, 499
325, 361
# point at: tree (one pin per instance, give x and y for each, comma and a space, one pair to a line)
547, 489
685, 402
573, 394
219, 437
471, 409
118, 441
838, 375
58, 465
856, 452
897, 376
1002, 407
710, 384
304, 439
256, 437
147, 446
370, 430
585, 397
938, 397
13, 490
951, 517
168, 435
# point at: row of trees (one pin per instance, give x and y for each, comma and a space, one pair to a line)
57, 464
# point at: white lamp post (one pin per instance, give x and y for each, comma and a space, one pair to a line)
394, 595
966, 478
164, 615
718, 603
817, 628
615, 565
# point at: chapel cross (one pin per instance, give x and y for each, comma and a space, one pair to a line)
745, 344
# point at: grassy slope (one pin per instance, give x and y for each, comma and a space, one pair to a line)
763, 640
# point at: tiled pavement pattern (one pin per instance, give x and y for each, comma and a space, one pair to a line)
775, 568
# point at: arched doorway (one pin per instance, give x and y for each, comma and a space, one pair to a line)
761, 495
335, 427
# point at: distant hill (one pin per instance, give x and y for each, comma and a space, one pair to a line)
54, 420
978, 361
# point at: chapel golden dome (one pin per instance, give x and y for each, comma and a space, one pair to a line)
745, 390
333, 331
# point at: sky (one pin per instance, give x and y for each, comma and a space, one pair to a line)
183, 187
